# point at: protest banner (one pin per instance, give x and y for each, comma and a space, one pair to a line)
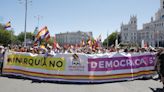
81, 67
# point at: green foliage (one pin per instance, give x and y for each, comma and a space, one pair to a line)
111, 39
29, 35
1, 27
6, 37
50, 41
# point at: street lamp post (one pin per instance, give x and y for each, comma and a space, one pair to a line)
38, 17
25, 23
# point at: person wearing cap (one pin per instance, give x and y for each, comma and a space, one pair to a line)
1, 58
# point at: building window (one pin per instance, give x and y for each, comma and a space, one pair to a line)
125, 38
147, 27
124, 34
162, 16
125, 29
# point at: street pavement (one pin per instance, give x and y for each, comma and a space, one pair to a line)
21, 85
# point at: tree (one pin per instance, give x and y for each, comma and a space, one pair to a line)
7, 37
111, 39
1, 27
29, 36
50, 41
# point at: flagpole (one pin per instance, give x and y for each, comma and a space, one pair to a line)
11, 34
107, 40
116, 41
158, 40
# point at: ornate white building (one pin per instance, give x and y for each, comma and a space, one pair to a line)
72, 37
152, 33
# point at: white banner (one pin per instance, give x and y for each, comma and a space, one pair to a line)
81, 67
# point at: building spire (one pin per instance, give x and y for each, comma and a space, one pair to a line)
162, 4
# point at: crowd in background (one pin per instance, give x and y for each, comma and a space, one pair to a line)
42, 49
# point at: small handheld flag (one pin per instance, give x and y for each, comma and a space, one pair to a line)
7, 25
42, 34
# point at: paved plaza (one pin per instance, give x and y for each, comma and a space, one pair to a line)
21, 85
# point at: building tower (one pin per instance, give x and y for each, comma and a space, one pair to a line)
133, 22
160, 14
162, 4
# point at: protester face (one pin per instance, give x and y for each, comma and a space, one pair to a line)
25, 50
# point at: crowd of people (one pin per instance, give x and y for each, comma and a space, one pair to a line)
50, 51
42, 49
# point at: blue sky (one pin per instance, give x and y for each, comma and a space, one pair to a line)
98, 16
